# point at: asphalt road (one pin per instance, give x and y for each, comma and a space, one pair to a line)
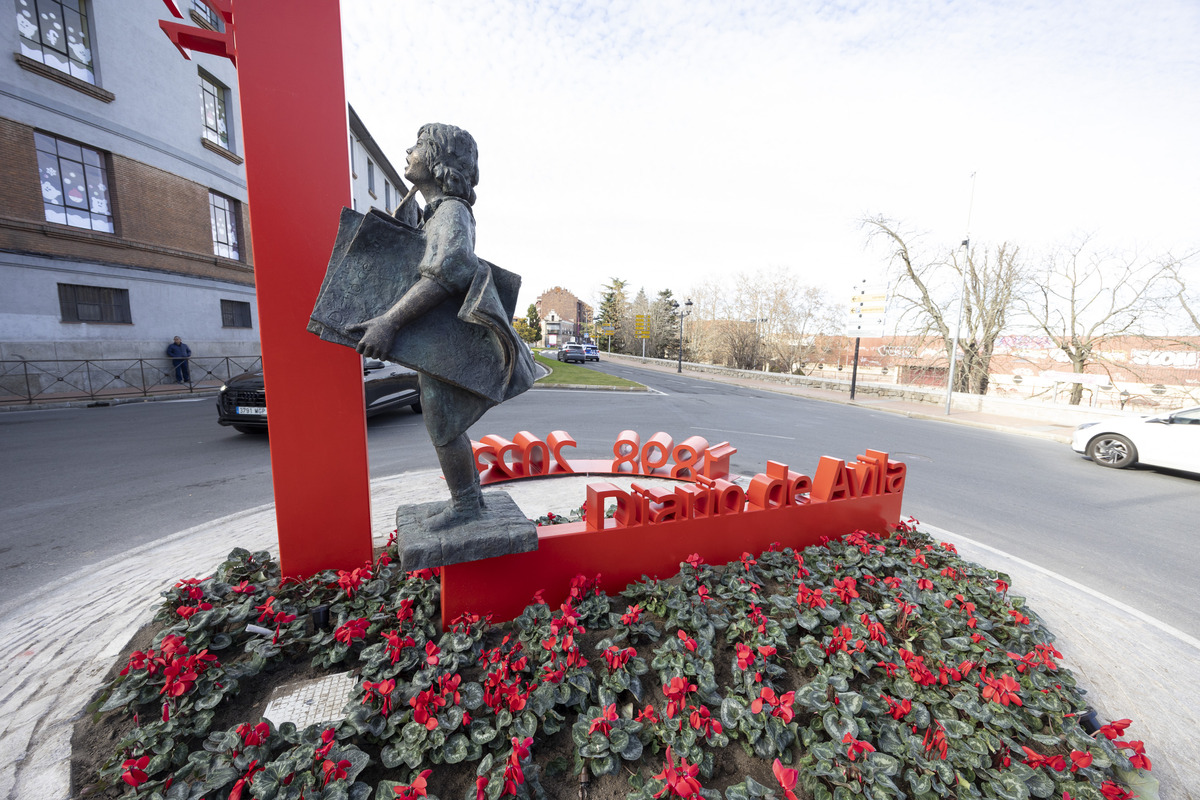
81, 485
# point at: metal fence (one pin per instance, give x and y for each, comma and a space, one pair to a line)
30, 381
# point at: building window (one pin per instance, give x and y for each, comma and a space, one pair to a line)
55, 32
353, 166
235, 314
205, 15
387, 196
371, 177
74, 184
223, 213
214, 97
94, 304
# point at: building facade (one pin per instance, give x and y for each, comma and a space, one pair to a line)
123, 203
374, 182
564, 317
123, 218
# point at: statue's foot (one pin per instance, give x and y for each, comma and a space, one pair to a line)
451, 516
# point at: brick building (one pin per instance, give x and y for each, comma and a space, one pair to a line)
564, 317
123, 213
123, 218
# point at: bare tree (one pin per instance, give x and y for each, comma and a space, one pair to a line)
989, 284
1085, 295
1184, 294
798, 331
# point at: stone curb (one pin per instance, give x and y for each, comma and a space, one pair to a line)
106, 401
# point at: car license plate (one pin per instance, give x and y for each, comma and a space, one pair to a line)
252, 410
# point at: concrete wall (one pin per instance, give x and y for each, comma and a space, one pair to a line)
162, 305
1027, 409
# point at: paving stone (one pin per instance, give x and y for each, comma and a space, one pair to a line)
23, 691
311, 702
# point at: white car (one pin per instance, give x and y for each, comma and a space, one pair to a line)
1167, 440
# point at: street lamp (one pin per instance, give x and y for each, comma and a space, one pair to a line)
681, 312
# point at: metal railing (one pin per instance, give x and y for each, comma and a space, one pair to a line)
31, 381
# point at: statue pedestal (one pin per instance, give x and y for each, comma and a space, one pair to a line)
501, 530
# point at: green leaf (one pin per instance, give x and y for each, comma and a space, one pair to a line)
525, 724
1040, 784
838, 726
737, 792
632, 751
456, 749
885, 764
918, 781
852, 702
472, 696
219, 776
393, 755
594, 750
414, 732
956, 728
603, 766
732, 709
1007, 786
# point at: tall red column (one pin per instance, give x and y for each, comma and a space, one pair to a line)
294, 126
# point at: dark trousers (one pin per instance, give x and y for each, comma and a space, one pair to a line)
181, 370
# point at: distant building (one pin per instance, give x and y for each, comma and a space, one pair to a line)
564, 317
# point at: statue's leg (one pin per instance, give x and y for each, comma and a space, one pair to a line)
462, 478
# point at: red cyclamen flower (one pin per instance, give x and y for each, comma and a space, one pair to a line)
135, 771
417, 788
788, 778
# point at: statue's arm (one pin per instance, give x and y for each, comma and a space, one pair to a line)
379, 333
445, 246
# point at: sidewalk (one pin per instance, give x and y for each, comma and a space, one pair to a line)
60, 644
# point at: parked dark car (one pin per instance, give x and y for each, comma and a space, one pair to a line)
242, 401
572, 352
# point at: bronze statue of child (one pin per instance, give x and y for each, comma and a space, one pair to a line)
443, 167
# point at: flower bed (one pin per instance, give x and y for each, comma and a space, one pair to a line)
867, 667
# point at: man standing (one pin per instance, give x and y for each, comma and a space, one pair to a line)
179, 353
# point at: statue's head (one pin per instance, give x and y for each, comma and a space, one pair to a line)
452, 158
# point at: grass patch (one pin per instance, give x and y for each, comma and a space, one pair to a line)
563, 373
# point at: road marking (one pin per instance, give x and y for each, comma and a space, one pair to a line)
745, 433
1112, 601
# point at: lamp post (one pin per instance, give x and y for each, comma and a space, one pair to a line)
962, 298
681, 312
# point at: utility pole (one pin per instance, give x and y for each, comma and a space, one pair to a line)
962, 294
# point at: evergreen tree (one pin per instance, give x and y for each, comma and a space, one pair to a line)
614, 311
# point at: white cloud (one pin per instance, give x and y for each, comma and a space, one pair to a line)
669, 142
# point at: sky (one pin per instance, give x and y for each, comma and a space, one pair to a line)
671, 143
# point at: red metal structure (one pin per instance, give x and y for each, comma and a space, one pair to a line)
656, 527
294, 126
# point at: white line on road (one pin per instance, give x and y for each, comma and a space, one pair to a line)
744, 433
1144, 617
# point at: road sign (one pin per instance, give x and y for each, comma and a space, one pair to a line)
867, 312
641, 326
